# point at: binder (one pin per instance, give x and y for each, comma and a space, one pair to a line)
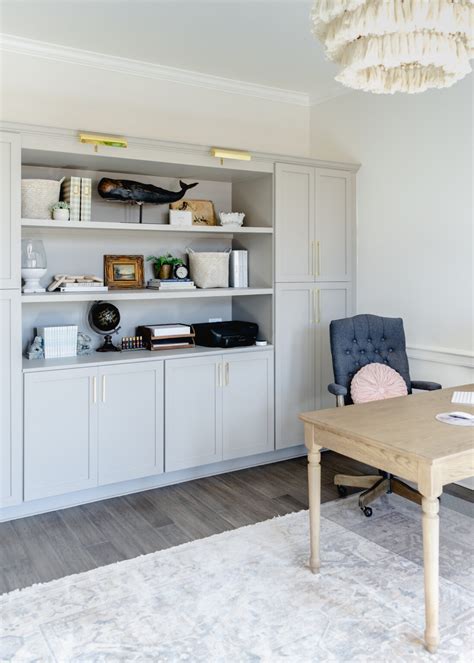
86, 198
71, 193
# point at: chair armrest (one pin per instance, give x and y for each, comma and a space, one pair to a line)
427, 386
337, 389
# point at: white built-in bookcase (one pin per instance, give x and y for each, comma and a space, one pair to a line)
67, 431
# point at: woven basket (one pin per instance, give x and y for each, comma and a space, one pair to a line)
209, 270
38, 196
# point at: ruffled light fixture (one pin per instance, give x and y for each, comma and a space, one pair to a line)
387, 46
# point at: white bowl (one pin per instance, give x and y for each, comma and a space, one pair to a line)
232, 218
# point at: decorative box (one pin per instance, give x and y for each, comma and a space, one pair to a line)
181, 217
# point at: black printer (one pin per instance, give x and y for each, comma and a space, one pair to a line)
230, 334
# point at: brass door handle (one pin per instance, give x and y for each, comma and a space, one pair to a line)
318, 253
316, 306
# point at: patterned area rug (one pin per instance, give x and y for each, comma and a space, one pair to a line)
247, 595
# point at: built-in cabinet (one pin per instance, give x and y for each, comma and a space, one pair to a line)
93, 423
218, 408
87, 427
313, 224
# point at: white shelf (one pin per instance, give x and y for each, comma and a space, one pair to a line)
140, 227
99, 359
140, 294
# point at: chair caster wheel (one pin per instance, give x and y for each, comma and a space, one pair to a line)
342, 490
367, 511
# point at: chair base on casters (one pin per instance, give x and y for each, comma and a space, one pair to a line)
375, 485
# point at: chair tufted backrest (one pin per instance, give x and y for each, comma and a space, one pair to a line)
365, 339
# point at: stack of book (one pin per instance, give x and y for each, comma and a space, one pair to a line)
59, 341
84, 286
171, 284
77, 191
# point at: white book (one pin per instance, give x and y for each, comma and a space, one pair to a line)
169, 330
84, 288
71, 193
86, 197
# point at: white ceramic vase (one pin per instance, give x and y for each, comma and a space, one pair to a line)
61, 214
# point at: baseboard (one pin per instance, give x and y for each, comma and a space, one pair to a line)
36, 507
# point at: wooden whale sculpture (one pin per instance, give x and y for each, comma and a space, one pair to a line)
129, 191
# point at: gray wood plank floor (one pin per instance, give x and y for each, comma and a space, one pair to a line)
52, 545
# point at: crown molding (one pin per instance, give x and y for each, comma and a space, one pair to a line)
58, 53
332, 93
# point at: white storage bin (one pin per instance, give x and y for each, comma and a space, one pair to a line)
38, 196
209, 269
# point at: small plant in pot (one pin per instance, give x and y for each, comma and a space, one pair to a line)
60, 211
163, 265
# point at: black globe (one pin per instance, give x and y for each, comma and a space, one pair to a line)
104, 317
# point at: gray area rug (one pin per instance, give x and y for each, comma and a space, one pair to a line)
247, 595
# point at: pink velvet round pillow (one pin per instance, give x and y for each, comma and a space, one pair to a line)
374, 382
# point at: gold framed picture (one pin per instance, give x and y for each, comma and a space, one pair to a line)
203, 211
124, 272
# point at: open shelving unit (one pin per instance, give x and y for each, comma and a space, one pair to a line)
79, 247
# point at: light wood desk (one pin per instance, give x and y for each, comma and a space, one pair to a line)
400, 436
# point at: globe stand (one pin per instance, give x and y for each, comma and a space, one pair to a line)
108, 345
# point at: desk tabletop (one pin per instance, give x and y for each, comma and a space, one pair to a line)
405, 424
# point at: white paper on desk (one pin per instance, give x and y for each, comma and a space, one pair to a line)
446, 418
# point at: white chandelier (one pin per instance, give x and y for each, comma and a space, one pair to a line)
387, 46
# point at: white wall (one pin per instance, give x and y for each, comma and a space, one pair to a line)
415, 224
73, 96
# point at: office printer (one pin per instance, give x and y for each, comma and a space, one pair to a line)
230, 334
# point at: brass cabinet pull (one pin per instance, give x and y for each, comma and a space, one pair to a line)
103, 389
318, 247
94, 389
316, 306
218, 374
226, 373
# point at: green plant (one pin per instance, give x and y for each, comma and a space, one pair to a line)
168, 259
60, 205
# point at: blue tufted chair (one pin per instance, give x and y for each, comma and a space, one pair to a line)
355, 342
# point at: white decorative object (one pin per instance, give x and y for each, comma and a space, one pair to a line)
36, 349
38, 197
61, 214
209, 269
33, 264
397, 46
60, 341
239, 269
232, 218
181, 217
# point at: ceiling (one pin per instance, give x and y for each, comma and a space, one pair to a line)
256, 41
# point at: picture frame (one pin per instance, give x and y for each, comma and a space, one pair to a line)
202, 210
124, 272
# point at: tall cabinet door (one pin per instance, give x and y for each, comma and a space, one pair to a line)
130, 400
60, 431
10, 209
247, 404
193, 412
11, 448
295, 360
294, 223
333, 229
333, 301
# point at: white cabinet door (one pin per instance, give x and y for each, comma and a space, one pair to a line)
60, 432
295, 360
333, 230
10, 209
333, 301
130, 400
247, 404
294, 223
11, 443
193, 412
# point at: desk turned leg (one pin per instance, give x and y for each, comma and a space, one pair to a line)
314, 488
430, 506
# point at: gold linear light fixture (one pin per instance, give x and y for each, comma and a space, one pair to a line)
108, 141
224, 153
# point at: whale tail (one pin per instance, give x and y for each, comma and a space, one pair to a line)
185, 187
